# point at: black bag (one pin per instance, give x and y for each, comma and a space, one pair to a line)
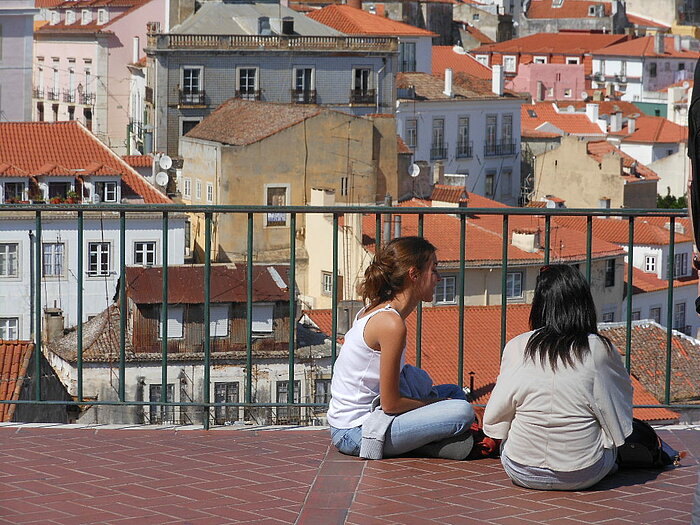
643, 448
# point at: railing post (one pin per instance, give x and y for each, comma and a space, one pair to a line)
334, 291
249, 314
37, 305
504, 282
164, 321
630, 267
80, 305
122, 306
547, 237
589, 246
460, 287
207, 322
669, 312
292, 301
419, 309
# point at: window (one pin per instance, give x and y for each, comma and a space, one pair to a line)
650, 263
175, 326
145, 253
85, 16
407, 56
52, 259
609, 273
14, 191
102, 16
98, 258
276, 196
248, 83
680, 264
58, 189
567, 93
490, 184
198, 190
9, 328
188, 124
262, 317
652, 70
106, 192
539, 60
483, 60
514, 285
55, 17
322, 391
218, 320
191, 84
344, 186
572, 60
604, 203
507, 134
491, 129
288, 414
636, 315
681, 66
187, 187
655, 314
225, 393
362, 77
445, 290
608, 317
437, 149
667, 66
475, 17
506, 182
463, 146
70, 17
326, 283
411, 134
8, 259
210, 192
509, 64
159, 414
303, 90
679, 317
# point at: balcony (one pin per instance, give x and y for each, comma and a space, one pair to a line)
303, 96
438, 152
38, 93
148, 97
52, 94
248, 94
499, 149
69, 96
363, 96
86, 99
465, 150
191, 98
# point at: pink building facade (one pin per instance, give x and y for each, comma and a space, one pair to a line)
16, 28
551, 81
80, 64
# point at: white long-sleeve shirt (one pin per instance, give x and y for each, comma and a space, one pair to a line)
564, 419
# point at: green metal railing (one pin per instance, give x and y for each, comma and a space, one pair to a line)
210, 212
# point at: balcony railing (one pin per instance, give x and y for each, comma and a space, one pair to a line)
191, 98
465, 150
52, 94
69, 96
499, 149
148, 97
38, 93
86, 99
438, 152
200, 407
303, 96
248, 94
363, 96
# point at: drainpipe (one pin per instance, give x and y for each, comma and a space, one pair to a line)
31, 284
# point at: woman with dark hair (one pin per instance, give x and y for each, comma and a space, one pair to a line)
563, 399
379, 407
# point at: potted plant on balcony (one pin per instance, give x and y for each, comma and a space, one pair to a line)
36, 197
72, 198
56, 200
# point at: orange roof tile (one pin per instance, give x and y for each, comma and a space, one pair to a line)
43, 148
445, 193
14, 360
605, 107
8, 170
93, 27
536, 117
650, 129
644, 22
635, 171
354, 21
440, 348
464, 87
446, 57
568, 9
643, 282
553, 43
647, 230
138, 161
644, 47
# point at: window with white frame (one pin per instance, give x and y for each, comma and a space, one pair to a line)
573, 60
225, 392
568, 93
198, 190
303, 86
514, 285
52, 259
145, 253
98, 258
483, 60
636, 315
188, 124
175, 322
445, 290
55, 17
210, 192
507, 133
262, 318
407, 56
650, 263
506, 182
679, 316
13, 191
159, 414
539, 60
85, 16
106, 191
344, 186
326, 283
218, 320
509, 63
361, 81
102, 16
247, 83
411, 135
491, 133
322, 390
9, 328
490, 184
463, 144
276, 196
187, 187
9, 257
70, 17
191, 83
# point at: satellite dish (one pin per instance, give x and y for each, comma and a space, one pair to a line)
414, 170
161, 178
165, 162
459, 50
686, 84
584, 95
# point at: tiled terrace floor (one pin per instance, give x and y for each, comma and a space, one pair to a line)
64, 475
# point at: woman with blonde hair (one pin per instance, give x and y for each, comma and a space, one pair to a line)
379, 407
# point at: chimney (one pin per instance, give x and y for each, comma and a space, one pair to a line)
135, 50
592, 112
386, 234
397, 226
659, 43
677, 45
527, 240
497, 80
288, 25
631, 125
448, 83
53, 324
540, 91
264, 25
615, 122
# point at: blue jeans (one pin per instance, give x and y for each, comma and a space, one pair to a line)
413, 429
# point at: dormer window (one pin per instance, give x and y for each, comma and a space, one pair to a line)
70, 17
102, 16
55, 17
85, 16
107, 191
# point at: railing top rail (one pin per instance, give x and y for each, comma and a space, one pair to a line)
173, 208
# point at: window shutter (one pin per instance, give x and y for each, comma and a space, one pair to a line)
262, 318
175, 322
218, 321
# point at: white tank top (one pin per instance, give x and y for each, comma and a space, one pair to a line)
355, 381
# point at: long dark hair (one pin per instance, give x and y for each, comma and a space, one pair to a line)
562, 316
386, 274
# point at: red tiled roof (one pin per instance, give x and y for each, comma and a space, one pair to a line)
8, 170
138, 161
14, 360
401, 147
568, 9
464, 87
643, 282
354, 21
553, 43
644, 47
536, 116
440, 348
186, 284
446, 57
644, 22
47, 3
650, 129
66, 148
647, 230
605, 107
93, 26
636, 171
445, 193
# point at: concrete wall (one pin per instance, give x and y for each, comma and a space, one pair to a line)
566, 81
674, 173
664, 11
16, 30
51, 390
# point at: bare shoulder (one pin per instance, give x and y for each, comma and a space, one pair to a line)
384, 325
